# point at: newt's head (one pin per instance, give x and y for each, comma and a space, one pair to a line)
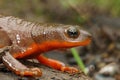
62, 36
74, 36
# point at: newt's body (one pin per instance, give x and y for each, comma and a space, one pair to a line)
30, 40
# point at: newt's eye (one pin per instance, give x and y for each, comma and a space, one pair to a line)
72, 32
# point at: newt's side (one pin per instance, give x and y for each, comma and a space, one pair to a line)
31, 40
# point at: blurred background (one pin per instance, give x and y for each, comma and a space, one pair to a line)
100, 17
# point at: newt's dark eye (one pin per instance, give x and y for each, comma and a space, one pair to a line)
73, 32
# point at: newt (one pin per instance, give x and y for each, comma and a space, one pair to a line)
30, 40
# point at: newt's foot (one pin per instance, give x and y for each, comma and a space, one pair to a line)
18, 68
31, 72
56, 64
69, 69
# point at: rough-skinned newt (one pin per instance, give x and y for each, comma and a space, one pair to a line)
29, 40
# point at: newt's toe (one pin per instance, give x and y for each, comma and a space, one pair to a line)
69, 69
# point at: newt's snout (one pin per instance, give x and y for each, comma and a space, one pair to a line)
85, 35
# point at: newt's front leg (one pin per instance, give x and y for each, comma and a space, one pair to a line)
56, 64
18, 67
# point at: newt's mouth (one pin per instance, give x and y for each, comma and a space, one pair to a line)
85, 42
75, 44
66, 45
